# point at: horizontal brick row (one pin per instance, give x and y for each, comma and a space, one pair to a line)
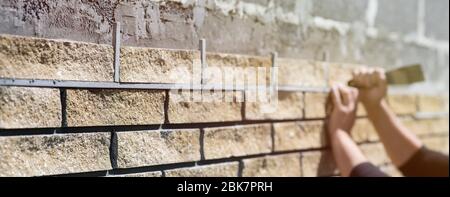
76, 153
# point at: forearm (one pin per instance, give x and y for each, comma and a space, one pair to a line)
400, 143
346, 153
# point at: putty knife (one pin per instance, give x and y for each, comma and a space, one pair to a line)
403, 76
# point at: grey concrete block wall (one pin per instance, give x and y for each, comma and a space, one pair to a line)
437, 19
398, 15
386, 33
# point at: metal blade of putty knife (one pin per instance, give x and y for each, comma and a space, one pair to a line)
403, 76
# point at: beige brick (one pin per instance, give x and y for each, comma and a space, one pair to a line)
217, 170
288, 106
238, 69
318, 163
437, 143
29, 107
227, 142
423, 127
341, 73
402, 104
215, 107
315, 105
273, 166
433, 103
114, 107
144, 174
375, 153
305, 73
147, 148
299, 135
36, 58
54, 154
149, 65
364, 131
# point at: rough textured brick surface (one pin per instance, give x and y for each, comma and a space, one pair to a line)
147, 148
299, 135
229, 69
54, 154
296, 72
427, 126
402, 103
34, 58
29, 107
364, 131
148, 65
315, 104
318, 163
288, 106
114, 107
215, 170
432, 103
237, 141
340, 73
375, 153
218, 107
273, 166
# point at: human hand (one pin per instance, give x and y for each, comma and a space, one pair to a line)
343, 109
372, 85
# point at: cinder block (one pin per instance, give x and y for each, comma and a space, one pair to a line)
299, 135
289, 105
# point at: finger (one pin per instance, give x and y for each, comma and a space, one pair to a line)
380, 75
345, 95
336, 97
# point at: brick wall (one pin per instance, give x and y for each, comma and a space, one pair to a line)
122, 129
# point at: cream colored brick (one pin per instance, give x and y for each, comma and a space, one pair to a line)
364, 131
289, 106
299, 135
115, 107
29, 107
150, 65
433, 103
287, 165
297, 72
403, 104
36, 58
183, 108
315, 105
54, 154
318, 163
225, 142
147, 148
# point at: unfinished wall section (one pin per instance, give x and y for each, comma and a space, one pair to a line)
79, 121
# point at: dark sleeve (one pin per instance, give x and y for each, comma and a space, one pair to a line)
426, 163
367, 170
